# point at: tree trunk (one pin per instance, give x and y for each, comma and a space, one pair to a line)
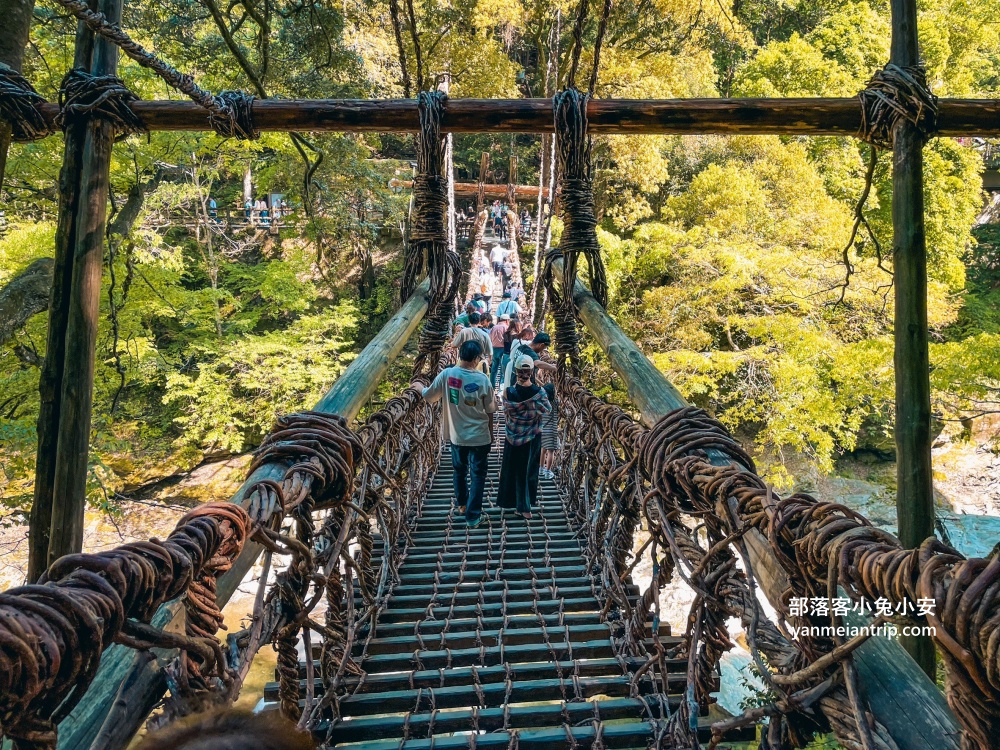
16, 16
24, 296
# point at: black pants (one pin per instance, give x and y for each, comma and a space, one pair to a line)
519, 475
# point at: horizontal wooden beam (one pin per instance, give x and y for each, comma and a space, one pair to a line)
813, 116
121, 665
471, 189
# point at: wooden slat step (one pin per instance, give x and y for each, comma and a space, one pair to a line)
389, 630
437, 678
490, 595
488, 657
495, 547
489, 638
512, 572
676, 681
470, 588
517, 717
615, 736
490, 695
429, 559
410, 613
483, 532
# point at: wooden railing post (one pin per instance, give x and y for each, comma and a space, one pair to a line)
900, 695
914, 484
67, 379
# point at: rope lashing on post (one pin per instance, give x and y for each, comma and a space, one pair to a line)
230, 113
53, 633
576, 194
104, 98
19, 106
427, 251
893, 94
324, 453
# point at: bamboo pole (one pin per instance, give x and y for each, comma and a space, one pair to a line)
119, 665
900, 695
914, 483
804, 116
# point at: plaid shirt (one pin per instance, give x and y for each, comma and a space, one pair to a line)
524, 418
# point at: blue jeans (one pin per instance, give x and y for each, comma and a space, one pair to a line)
463, 459
495, 367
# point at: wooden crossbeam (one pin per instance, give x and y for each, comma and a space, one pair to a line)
813, 116
471, 189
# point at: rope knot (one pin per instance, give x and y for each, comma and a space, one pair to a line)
103, 97
19, 106
894, 94
235, 116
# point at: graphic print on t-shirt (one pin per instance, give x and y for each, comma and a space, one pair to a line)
471, 393
454, 384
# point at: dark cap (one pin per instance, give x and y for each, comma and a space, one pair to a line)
542, 338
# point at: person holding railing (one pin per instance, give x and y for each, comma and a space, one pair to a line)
468, 411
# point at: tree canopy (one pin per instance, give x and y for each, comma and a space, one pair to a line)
726, 256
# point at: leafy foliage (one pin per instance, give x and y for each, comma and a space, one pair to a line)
725, 256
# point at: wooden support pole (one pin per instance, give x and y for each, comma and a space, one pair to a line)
813, 116
50, 383
69, 485
900, 695
119, 664
914, 484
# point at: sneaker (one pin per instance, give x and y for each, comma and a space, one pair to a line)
474, 524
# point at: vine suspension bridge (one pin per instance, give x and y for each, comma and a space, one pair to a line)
397, 625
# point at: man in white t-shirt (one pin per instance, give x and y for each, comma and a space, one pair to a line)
497, 257
468, 414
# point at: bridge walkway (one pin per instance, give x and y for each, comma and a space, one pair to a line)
493, 638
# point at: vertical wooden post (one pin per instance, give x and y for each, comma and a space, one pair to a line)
915, 493
77, 290
51, 376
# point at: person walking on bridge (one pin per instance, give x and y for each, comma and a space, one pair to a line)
497, 256
468, 411
475, 332
525, 407
509, 306
497, 339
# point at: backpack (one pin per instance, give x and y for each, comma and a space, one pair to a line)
516, 350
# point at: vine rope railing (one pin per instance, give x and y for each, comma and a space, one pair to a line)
699, 511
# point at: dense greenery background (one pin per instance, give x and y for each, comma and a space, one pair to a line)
725, 255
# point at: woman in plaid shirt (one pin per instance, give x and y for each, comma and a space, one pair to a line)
526, 407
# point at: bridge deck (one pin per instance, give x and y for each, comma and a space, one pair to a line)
494, 638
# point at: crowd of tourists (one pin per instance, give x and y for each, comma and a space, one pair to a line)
500, 368
260, 212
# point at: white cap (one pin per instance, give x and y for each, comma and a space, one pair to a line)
524, 362
505, 316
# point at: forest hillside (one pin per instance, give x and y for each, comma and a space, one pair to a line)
731, 259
